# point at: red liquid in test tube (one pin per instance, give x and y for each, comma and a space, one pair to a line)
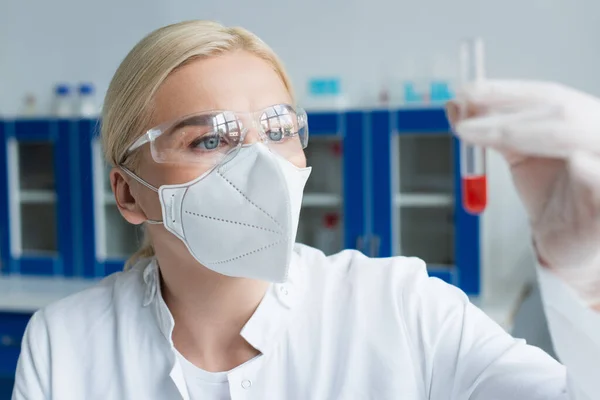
474, 178
472, 158
474, 192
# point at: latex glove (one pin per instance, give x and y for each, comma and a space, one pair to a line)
550, 136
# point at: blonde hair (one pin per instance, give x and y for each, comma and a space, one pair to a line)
128, 105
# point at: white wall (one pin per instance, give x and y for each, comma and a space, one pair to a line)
71, 40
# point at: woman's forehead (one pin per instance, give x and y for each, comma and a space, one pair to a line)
237, 81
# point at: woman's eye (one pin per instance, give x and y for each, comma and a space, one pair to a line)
211, 143
275, 135
207, 142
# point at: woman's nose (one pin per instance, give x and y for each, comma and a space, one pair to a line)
253, 136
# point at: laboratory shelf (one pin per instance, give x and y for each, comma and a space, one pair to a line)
37, 196
423, 200
321, 200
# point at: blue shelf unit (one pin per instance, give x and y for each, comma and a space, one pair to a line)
385, 127
36, 188
367, 203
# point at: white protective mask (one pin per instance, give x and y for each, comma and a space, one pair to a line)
239, 219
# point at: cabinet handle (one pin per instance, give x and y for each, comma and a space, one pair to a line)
360, 242
375, 243
9, 341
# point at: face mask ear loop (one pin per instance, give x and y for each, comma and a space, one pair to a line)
140, 180
143, 182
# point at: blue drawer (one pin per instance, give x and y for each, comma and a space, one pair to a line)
12, 327
6, 388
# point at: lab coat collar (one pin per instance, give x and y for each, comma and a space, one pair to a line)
153, 298
263, 329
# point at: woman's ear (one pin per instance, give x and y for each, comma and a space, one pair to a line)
127, 202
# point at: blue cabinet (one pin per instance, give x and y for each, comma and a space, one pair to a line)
36, 190
384, 181
12, 328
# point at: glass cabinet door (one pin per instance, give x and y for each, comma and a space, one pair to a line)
413, 158
32, 192
321, 220
116, 239
423, 197
40, 205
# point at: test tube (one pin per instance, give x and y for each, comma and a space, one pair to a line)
472, 158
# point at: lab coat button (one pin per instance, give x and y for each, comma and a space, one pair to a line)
246, 383
283, 290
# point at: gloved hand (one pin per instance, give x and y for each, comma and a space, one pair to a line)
550, 136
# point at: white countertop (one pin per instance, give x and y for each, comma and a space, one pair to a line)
19, 293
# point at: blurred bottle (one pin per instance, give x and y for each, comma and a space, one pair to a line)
86, 102
383, 95
441, 80
325, 93
440, 91
416, 85
62, 106
29, 106
412, 94
326, 237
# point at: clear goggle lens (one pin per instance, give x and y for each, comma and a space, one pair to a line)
209, 137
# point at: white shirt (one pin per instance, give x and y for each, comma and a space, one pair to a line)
341, 327
204, 385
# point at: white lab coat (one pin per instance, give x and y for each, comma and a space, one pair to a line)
342, 327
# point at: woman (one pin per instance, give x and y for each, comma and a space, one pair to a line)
219, 304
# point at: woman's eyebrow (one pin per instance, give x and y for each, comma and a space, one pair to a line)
192, 121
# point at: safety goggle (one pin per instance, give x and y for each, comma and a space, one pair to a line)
210, 137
